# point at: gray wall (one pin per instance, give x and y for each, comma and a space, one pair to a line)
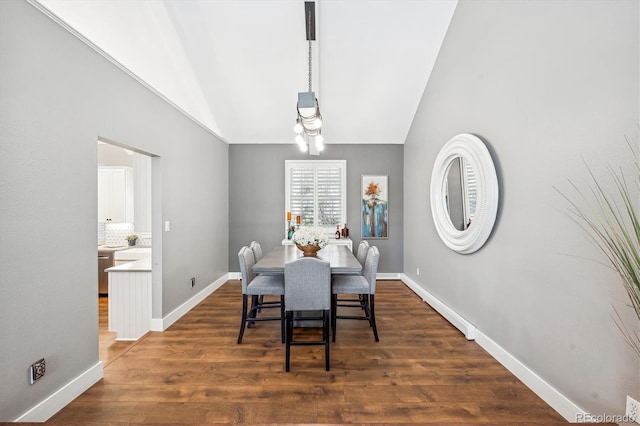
257, 199
544, 83
57, 96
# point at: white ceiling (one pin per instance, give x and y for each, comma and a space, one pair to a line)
237, 66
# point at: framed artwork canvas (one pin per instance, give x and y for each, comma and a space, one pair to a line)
375, 203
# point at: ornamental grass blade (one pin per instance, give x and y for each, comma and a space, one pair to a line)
611, 223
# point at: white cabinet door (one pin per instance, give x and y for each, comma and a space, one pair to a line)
142, 192
104, 186
115, 194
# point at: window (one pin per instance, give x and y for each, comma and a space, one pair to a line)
316, 190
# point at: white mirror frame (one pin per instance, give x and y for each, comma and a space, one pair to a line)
473, 150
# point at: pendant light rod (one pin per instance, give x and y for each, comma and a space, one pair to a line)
310, 19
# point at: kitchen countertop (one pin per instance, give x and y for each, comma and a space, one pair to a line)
132, 253
122, 247
112, 248
142, 265
136, 249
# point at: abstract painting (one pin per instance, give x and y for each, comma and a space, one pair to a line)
375, 199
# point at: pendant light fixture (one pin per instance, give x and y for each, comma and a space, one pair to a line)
309, 120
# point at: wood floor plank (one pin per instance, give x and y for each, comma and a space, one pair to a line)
422, 371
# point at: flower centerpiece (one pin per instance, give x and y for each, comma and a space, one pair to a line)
310, 240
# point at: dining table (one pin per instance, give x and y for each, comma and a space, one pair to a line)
341, 259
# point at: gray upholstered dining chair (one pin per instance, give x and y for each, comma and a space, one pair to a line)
307, 288
365, 285
361, 255
258, 285
257, 255
257, 250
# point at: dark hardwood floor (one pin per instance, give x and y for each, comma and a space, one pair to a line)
422, 371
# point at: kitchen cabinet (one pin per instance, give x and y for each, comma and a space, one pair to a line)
130, 299
142, 192
115, 194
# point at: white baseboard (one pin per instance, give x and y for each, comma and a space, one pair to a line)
388, 276
468, 329
565, 407
63, 396
161, 324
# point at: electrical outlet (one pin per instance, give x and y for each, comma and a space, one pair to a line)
36, 371
417, 271
633, 410
193, 282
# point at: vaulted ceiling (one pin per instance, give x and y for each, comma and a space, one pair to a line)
236, 66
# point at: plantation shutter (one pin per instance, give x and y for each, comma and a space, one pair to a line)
471, 185
329, 190
316, 190
301, 194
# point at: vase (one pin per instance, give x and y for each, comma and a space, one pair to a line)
308, 251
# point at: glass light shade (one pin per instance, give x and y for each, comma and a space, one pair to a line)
297, 127
319, 139
307, 112
312, 124
303, 147
299, 140
320, 146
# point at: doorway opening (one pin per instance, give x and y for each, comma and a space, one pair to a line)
124, 229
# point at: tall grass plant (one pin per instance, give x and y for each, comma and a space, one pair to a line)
611, 221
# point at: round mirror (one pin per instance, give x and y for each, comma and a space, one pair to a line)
460, 193
464, 193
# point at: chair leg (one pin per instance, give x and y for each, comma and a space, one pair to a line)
289, 321
334, 308
366, 307
254, 310
244, 318
325, 337
372, 320
282, 321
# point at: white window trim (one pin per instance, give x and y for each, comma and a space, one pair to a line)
289, 164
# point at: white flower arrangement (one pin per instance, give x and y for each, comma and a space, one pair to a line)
311, 237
